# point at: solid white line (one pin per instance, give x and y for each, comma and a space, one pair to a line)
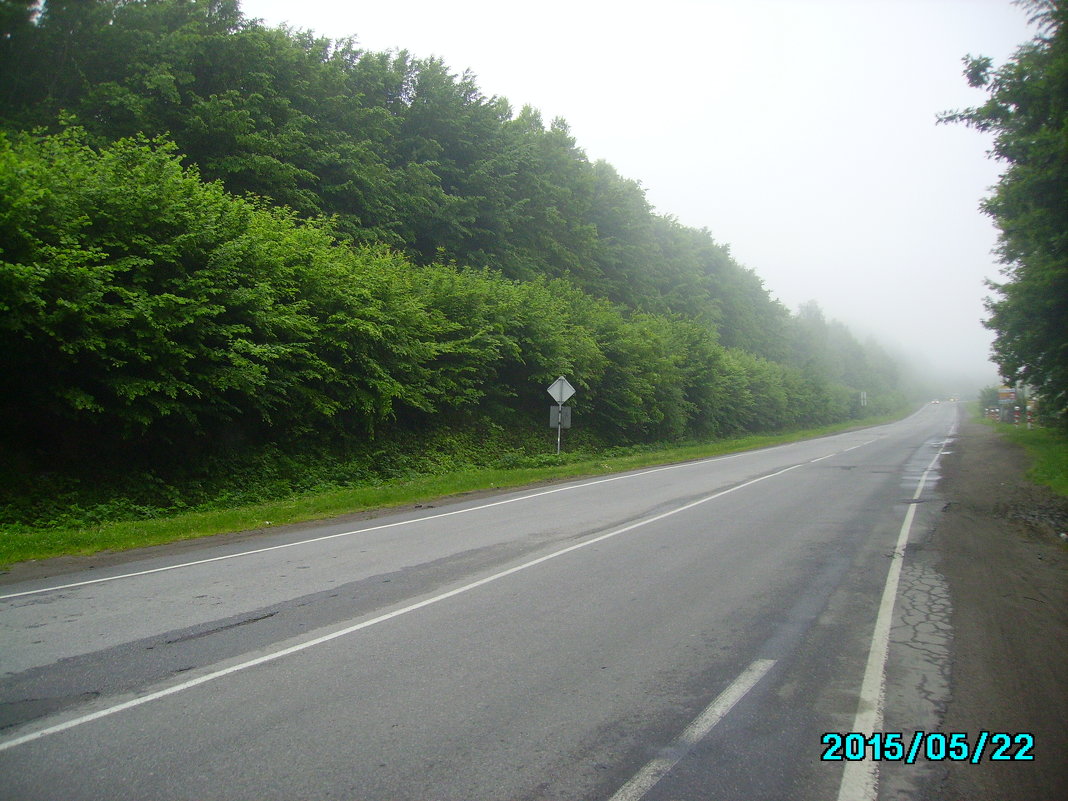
194, 682
437, 516
365, 530
643, 781
860, 780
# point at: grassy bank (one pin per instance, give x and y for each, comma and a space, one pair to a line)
20, 542
1049, 450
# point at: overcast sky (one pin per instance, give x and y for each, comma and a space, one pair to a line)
801, 133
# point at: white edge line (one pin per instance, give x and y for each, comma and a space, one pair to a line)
363, 530
270, 657
642, 782
860, 780
437, 516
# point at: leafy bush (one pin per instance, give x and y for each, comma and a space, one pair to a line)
148, 313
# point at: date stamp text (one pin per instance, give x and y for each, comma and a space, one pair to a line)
928, 746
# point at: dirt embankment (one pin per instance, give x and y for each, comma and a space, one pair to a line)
1007, 570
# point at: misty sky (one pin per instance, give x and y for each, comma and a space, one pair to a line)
801, 133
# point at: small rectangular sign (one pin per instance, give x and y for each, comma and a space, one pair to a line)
559, 417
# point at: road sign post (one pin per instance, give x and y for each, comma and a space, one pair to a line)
560, 390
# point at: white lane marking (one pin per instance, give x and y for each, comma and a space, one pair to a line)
643, 781
270, 657
437, 516
861, 445
365, 530
860, 780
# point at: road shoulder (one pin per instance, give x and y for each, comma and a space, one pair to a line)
1007, 573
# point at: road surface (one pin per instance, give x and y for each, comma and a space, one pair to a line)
682, 632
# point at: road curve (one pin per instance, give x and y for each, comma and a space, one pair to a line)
680, 632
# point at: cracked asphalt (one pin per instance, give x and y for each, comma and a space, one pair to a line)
990, 617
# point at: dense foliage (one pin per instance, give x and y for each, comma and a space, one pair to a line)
218, 235
139, 299
1028, 113
398, 150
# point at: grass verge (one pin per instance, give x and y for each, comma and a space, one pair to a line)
21, 542
1048, 448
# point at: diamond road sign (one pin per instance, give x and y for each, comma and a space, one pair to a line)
561, 390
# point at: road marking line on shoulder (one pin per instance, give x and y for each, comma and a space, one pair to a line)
860, 780
642, 782
303, 646
539, 494
365, 530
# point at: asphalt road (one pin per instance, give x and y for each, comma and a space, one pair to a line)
686, 632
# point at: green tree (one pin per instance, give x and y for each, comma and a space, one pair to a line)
138, 300
166, 269
988, 398
1027, 111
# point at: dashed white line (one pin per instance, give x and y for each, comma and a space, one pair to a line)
642, 782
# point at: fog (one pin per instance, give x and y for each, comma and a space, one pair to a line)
801, 133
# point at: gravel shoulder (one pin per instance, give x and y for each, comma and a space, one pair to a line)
1007, 571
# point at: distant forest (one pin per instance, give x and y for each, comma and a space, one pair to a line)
215, 234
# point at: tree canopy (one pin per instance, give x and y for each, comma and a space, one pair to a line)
397, 149
1027, 111
210, 230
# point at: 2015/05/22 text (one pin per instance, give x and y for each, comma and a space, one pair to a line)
931, 746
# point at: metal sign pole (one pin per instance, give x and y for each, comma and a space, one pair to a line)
559, 425
560, 390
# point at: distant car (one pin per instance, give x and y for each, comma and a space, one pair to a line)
936, 400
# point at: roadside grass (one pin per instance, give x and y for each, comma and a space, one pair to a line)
1048, 448
19, 542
